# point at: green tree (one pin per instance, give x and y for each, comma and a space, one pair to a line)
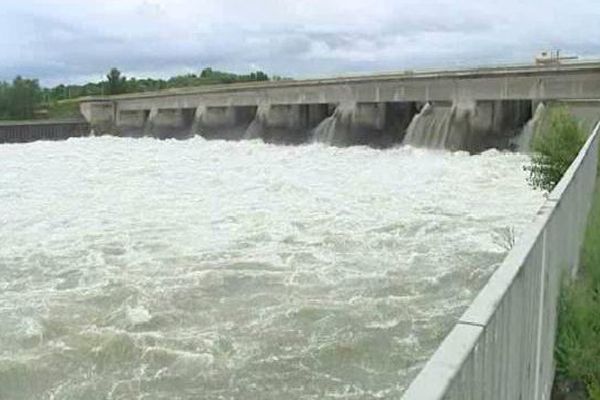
24, 97
206, 72
4, 99
261, 76
20, 98
554, 150
116, 83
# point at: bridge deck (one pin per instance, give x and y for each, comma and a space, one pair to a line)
505, 71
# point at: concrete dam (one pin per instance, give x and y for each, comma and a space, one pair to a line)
472, 109
359, 269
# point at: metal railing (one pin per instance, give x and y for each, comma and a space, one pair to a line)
30, 131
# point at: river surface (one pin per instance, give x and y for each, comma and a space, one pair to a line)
146, 269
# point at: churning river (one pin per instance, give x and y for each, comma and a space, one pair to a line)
146, 269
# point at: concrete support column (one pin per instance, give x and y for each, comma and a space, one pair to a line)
100, 115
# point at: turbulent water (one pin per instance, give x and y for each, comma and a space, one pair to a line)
523, 142
146, 269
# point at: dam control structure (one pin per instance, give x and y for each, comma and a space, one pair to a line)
467, 109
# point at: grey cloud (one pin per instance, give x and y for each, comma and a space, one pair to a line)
60, 40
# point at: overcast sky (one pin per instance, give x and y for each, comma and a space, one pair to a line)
78, 40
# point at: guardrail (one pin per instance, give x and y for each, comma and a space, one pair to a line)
503, 345
30, 131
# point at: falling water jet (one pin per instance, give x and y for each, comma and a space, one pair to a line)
149, 124
325, 131
331, 129
430, 127
523, 141
465, 125
256, 127
412, 138
196, 128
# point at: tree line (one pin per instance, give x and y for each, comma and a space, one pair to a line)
19, 99
22, 98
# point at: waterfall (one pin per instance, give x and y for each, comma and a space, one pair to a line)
430, 127
523, 141
256, 127
149, 123
412, 137
325, 131
442, 126
329, 130
198, 118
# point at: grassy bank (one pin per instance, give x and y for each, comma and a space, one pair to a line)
578, 340
64, 109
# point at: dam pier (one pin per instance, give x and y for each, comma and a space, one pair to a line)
470, 109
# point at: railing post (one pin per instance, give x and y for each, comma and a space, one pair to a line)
540, 318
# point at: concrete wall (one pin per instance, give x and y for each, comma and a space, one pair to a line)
132, 118
168, 117
219, 117
299, 106
585, 111
222, 122
98, 111
369, 115
22, 132
169, 122
503, 345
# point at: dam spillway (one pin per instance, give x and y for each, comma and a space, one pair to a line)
466, 126
211, 268
471, 109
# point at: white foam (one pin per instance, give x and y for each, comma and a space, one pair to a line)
249, 267
138, 315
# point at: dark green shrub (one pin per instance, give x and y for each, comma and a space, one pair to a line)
554, 148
